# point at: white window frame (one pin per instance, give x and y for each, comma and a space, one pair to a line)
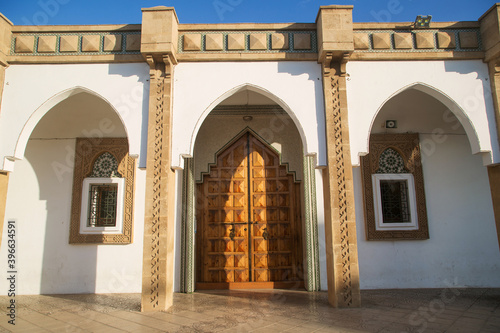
377, 202
120, 200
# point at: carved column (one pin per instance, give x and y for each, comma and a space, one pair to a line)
158, 255
340, 222
335, 37
159, 47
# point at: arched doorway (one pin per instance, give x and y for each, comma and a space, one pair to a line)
272, 126
248, 220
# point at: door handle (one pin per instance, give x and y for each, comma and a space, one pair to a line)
265, 234
232, 233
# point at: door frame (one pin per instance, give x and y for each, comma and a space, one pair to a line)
309, 232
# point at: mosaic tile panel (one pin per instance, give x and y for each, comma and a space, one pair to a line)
390, 161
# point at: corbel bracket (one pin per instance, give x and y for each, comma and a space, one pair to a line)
335, 64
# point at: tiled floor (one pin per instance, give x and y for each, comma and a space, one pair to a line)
422, 310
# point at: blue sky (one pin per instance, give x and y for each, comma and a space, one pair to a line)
43, 12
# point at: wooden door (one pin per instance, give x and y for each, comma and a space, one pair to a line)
248, 217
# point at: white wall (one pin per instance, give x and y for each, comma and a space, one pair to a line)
39, 198
295, 86
32, 90
463, 246
463, 86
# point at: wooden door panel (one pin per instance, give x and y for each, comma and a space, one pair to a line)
244, 240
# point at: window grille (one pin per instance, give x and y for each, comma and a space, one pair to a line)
102, 205
395, 203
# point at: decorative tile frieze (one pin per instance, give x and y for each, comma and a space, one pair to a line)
235, 42
361, 41
112, 43
214, 42
248, 42
279, 41
57, 44
432, 40
424, 40
47, 44
192, 42
91, 43
381, 40
24, 44
446, 40
258, 42
69, 44
403, 40
301, 41
468, 40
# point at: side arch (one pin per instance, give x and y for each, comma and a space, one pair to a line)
233, 91
453, 106
43, 109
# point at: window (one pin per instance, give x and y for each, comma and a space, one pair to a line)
102, 192
393, 188
102, 206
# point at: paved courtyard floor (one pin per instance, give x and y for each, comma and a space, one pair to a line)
417, 310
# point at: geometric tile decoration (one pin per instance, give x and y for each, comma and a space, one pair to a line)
403, 40
133, 42
425, 40
25, 44
47, 44
91, 43
381, 40
468, 39
390, 161
361, 41
446, 40
192, 42
214, 42
235, 42
279, 41
78, 43
112, 43
302, 41
69, 43
258, 42
429, 40
105, 166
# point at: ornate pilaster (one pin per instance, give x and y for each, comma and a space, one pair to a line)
159, 30
158, 256
335, 33
340, 223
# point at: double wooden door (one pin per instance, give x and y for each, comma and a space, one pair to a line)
248, 220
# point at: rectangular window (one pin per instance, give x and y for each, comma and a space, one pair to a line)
394, 202
394, 199
102, 205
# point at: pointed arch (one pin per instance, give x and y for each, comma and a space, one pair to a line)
43, 109
446, 100
253, 88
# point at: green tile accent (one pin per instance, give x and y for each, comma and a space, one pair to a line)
311, 225
187, 228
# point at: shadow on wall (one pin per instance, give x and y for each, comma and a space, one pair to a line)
65, 268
